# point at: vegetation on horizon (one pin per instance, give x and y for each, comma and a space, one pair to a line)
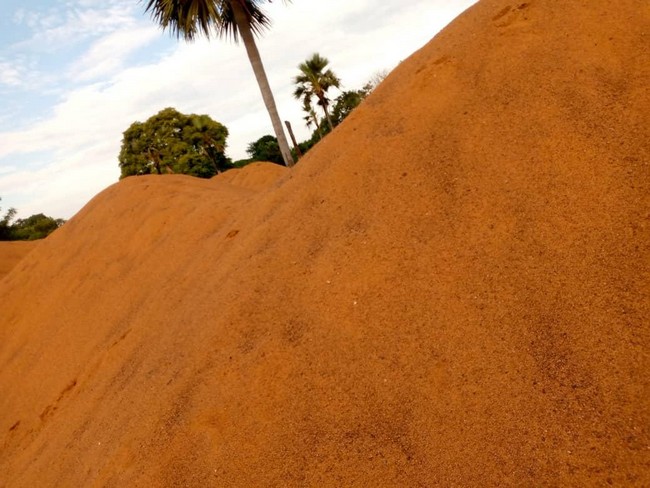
266, 147
37, 226
225, 18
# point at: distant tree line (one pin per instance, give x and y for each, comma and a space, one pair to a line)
240, 20
172, 142
37, 226
312, 87
237, 19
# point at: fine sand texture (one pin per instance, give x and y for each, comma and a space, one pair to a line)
11, 252
451, 289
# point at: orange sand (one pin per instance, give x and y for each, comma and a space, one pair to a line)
450, 290
11, 252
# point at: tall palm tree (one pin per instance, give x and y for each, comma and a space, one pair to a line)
224, 18
314, 80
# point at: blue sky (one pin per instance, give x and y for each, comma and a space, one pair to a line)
74, 74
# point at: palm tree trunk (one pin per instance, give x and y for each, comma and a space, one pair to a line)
320, 134
243, 26
329, 119
327, 113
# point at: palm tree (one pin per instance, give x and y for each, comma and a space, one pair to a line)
226, 18
311, 117
314, 81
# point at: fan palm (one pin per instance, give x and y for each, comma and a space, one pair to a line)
224, 18
314, 81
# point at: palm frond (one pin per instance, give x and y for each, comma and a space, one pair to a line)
257, 18
185, 19
302, 91
190, 18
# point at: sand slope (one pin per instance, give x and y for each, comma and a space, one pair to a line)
11, 252
450, 290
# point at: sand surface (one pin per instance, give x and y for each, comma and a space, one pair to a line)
11, 252
452, 289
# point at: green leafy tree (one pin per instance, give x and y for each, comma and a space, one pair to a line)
226, 18
265, 149
345, 103
172, 142
315, 81
37, 226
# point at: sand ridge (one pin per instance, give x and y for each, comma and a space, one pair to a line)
449, 290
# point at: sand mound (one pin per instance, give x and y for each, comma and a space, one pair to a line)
255, 176
450, 290
11, 252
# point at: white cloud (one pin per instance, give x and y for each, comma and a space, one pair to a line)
19, 16
75, 177
108, 53
80, 21
11, 74
37, 19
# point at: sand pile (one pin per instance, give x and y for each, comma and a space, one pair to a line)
451, 289
11, 252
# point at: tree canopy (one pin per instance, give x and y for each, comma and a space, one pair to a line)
315, 81
265, 149
342, 106
172, 142
345, 103
37, 226
238, 19
34, 227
